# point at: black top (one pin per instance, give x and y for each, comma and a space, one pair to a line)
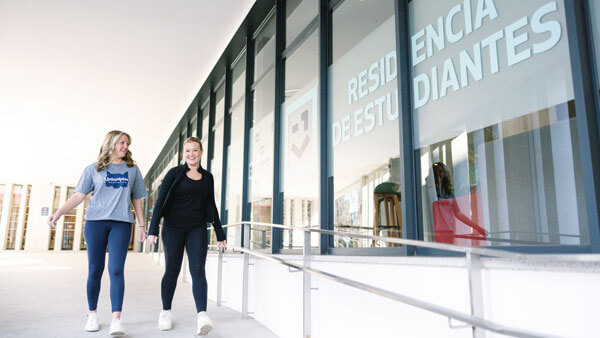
164, 201
188, 197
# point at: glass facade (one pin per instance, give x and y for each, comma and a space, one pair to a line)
486, 122
13, 216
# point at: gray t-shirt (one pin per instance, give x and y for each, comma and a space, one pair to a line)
113, 189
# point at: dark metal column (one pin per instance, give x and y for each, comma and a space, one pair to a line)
587, 115
277, 211
199, 120
249, 115
409, 196
226, 142
211, 123
326, 170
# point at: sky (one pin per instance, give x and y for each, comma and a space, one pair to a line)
72, 70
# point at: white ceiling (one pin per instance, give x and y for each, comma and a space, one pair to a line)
71, 70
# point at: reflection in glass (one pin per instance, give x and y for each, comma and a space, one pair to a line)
364, 127
261, 138
496, 141
236, 150
204, 113
264, 50
217, 160
192, 126
301, 143
299, 13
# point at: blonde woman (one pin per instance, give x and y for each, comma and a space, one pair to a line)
186, 200
116, 183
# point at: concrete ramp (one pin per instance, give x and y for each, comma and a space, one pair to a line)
43, 295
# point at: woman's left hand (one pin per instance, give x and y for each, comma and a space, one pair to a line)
222, 245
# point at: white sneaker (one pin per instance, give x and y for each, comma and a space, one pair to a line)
92, 322
165, 321
204, 324
116, 328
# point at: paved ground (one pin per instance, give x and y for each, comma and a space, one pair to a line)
43, 295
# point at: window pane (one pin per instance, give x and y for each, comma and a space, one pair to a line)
495, 124
301, 143
235, 169
299, 14
264, 49
261, 139
192, 126
238, 88
365, 129
217, 160
180, 142
204, 138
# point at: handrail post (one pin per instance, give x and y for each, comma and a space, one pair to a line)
475, 290
220, 278
245, 271
306, 287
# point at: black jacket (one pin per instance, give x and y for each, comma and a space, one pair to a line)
162, 206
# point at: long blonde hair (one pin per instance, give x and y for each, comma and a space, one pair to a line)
108, 146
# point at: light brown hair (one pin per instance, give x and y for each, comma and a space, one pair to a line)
107, 148
193, 139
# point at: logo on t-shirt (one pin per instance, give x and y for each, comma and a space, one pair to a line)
117, 180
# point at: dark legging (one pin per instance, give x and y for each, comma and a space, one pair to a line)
195, 242
99, 235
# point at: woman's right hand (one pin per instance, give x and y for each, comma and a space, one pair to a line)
53, 218
152, 239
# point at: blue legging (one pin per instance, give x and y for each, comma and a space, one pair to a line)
99, 235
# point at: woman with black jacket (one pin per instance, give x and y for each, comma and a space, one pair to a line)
186, 201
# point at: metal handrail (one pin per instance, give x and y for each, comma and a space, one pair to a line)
447, 312
474, 266
441, 246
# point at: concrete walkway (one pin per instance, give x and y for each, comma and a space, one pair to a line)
43, 295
